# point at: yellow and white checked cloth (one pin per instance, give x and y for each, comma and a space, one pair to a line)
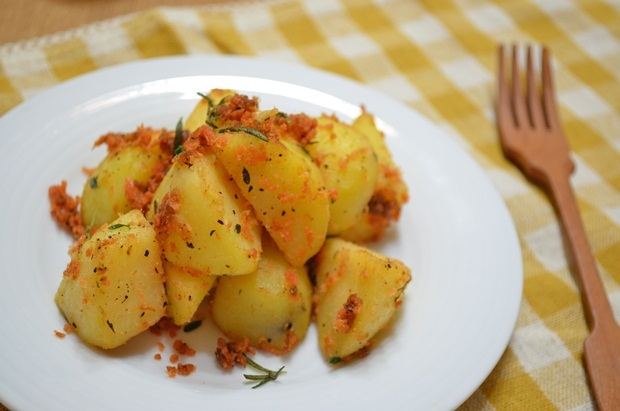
439, 57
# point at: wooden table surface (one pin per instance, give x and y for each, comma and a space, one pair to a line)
26, 19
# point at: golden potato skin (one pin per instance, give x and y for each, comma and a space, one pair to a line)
185, 291
104, 195
356, 294
283, 185
113, 288
271, 306
203, 222
390, 193
349, 167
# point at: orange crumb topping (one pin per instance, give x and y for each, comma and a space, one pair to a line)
302, 127
144, 137
172, 371
238, 110
230, 353
65, 209
290, 342
183, 349
291, 282
348, 313
185, 369
73, 270
165, 218
165, 325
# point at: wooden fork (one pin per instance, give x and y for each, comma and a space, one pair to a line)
532, 138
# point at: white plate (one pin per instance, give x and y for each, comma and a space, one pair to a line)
455, 234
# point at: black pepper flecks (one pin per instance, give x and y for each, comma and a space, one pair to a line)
246, 175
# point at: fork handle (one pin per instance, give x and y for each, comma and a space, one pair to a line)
596, 304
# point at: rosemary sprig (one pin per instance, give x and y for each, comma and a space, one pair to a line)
209, 101
248, 130
262, 378
212, 114
178, 138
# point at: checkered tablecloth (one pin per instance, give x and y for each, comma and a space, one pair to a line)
438, 57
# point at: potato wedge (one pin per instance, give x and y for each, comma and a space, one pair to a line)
106, 193
271, 306
203, 222
349, 167
185, 290
356, 294
283, 185
113, 288
390, 193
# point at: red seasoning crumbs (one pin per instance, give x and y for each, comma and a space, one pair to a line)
230, 353
180, 369
347, 313
183, 349
65, 210
67, 328
167, 326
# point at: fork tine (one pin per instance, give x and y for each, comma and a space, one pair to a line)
534, 103
551, 114
504, 109
519, 107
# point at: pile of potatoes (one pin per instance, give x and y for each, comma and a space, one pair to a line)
261, 213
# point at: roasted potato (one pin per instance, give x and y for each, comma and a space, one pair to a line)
357, 291
271, 306
185, 291
113, 288
349, 167
203, 222
283, 185
106, 193
390, 192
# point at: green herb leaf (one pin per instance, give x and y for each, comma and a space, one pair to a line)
335, 360
248, 130
305, 150
265, 378
212, 114
178, 135
192, 326
117, 226
204, 96
93, 182
283, 115
179, 150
